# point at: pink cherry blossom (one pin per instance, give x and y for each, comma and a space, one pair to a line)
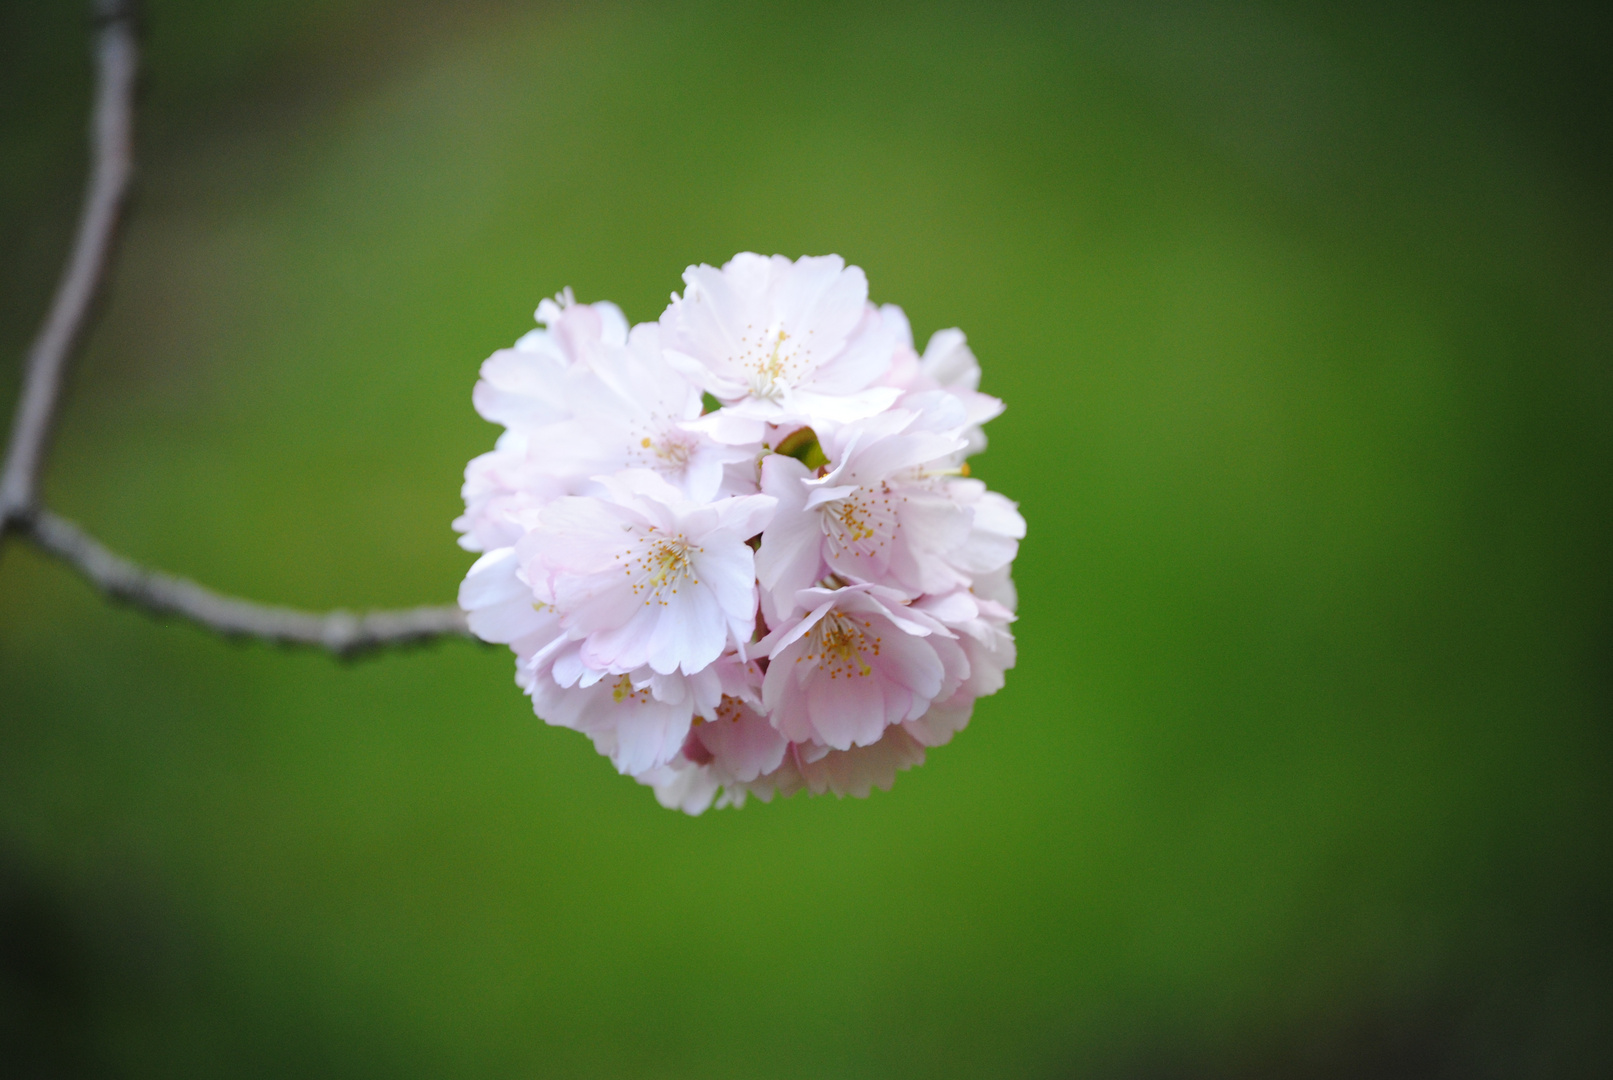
858, 661
644, 576
801, 589
947, 365
854, 771
776, 341
881, 513
631, 410
525, 388
693, 788
638, 719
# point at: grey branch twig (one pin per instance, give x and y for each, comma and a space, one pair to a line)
112, 157
112, 163
163, 594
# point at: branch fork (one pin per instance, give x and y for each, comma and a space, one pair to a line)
112, 155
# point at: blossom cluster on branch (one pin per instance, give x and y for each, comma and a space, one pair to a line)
739, 548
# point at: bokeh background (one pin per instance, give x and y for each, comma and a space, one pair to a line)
1304, 317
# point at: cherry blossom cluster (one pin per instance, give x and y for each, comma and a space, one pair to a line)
739, 548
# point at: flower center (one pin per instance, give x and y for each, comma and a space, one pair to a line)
839, 645
664, 563
773, 368
622, 690
867, 514
671, 452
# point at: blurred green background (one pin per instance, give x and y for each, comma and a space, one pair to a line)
1304, 317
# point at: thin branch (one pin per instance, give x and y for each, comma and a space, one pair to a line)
341, 632
112, 155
